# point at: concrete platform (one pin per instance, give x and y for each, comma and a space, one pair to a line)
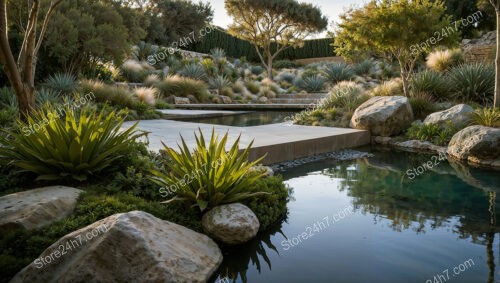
281, 142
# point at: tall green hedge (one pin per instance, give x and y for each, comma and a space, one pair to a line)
237, 48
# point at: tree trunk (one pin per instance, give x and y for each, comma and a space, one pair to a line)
270, 67
404, 78
496, 102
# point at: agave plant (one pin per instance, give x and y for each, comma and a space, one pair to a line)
313, 83
363, 68
45, 95
218, 54
337, 72
62, 83
209, 176
72, 146
194, 71
220, 82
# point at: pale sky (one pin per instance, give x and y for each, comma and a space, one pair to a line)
330, 8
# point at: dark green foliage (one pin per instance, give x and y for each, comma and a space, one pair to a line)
175, 21
288, 64
272, 207
432, 83
236, 48
473, 82
433, 133
62, 83
422, 105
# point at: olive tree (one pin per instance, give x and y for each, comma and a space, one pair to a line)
274, 25
21, 73
395, 29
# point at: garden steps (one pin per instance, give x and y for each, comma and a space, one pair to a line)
281, 142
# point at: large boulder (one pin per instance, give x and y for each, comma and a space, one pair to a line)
127, 247
36, 208
477, 144
383, 115
231, 224
458, 115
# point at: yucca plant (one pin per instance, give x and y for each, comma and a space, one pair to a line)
473, 82
314, 83
337, 72
45, 95
194, 71
489, 117
62, 83
57, 145
432, 83
209, 176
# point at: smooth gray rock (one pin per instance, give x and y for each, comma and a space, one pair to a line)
477, 144
37, 208
383, 115
458, 115
127, 247
232, 224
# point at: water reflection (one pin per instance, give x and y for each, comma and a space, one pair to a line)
247, 119
449, 198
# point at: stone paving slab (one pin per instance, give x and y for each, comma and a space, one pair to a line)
281, 142
294, 106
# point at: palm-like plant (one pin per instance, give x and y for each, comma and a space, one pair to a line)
73, 146
209, 176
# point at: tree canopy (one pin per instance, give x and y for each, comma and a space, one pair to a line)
174, 19
399, 29
284, 22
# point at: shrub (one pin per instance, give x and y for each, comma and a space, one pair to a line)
219, 83
146, 95
238, 87
314, 83
62, 83
473, 82
253, 87
443, 60
133, 71
489, 117
392, 87
288, 64
422, 104
269, 208
432, 83
337, 72
193, 71
432, 132
209, 67
346, 95
73, 146
115, 95
179, 86
363, 68
216, 177
8, 116
256, 70
286, 76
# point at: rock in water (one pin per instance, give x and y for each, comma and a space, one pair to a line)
477, 144
232, 224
